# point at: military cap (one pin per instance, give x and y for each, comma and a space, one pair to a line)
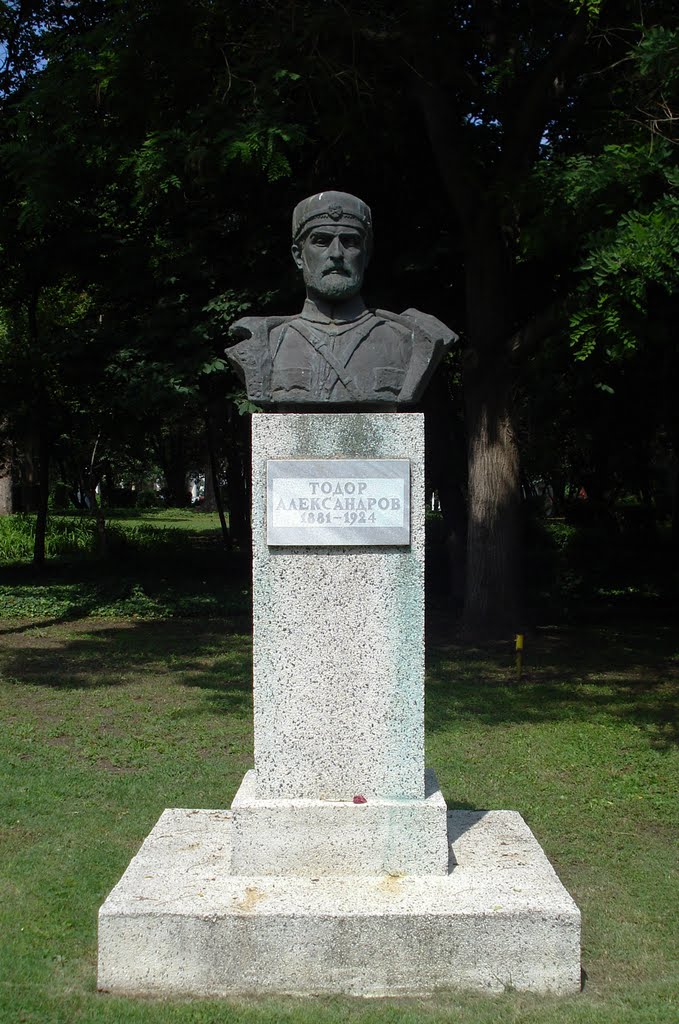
331, 207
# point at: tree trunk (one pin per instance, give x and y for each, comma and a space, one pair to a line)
492, 593
447, 473
97, 507
209, 433
492, 605
6, 497
106, 485
43, 501
43, 442
238, 481
6, 481
97, 510
209, 500
172, 458
674, 493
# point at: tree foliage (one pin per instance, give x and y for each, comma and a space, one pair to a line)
519, 158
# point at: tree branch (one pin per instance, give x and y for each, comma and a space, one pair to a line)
455, 170
21, 17
525, 129
527, 340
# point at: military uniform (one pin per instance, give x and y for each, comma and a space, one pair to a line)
376, 358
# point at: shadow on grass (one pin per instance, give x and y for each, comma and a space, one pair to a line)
589, 674
206, 583
215, 657
593, 674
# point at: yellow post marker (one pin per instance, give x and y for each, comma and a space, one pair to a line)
519, 655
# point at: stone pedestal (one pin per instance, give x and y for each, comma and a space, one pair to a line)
179, 922
318, 838
338, 868
338, 678
338, 632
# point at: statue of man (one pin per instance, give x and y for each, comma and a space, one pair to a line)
337, 353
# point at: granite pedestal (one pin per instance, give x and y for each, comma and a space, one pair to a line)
338, 837
338, 632
338, 676
338, 868
179, 922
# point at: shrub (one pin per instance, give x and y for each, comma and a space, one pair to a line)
148, 499
65, 538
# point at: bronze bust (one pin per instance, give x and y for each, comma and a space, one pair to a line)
336, 353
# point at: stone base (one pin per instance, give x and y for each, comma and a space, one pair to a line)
179, 923
338, 632
330, 837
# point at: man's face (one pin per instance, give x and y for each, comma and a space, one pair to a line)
332, 259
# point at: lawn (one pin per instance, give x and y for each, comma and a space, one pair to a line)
108, 718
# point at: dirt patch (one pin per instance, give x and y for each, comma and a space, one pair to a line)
106, 765
24, 632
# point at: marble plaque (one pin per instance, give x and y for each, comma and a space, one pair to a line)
338, 502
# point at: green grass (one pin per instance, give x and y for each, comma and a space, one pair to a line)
193, 519
130, 533
140, 594
125, 688
160, 564
108, 721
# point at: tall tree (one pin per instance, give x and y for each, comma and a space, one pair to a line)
129, 163
502, 89
155, 151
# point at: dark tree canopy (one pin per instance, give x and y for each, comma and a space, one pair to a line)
519, 158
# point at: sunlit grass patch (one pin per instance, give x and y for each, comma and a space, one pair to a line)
108, 721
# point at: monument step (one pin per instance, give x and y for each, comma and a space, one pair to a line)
179, 923
332, 837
